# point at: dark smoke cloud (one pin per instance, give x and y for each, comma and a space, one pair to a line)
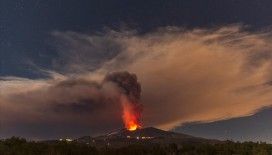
73, 102
128, 83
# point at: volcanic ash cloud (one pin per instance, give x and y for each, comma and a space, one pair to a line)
203, 75
99, 105
131, 90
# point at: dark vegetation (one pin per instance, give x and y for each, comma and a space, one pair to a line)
19, 146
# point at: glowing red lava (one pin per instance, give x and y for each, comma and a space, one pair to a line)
130, 117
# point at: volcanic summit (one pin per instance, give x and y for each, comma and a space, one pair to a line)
143, 136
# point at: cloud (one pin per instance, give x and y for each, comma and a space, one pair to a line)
94, 105
74, 102
86, 53
198, 75
186, 75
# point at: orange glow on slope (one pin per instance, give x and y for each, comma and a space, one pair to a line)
130, 117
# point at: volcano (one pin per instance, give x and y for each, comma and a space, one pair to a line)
143, 136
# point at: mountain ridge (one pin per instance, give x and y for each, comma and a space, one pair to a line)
143, 136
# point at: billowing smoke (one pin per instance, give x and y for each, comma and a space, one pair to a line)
128, 84
187, 75
95, 104
131, 88
201, 75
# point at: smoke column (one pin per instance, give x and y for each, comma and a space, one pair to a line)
131, 93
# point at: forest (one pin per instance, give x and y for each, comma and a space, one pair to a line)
20, 146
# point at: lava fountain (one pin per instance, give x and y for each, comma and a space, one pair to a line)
131, 115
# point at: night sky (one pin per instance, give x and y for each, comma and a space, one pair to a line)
38, 35
25, 25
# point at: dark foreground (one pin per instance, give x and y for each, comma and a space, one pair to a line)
18, 146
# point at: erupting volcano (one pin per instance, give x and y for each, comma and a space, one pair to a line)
130, 89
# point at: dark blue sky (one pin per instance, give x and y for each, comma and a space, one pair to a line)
25, 27
26, 24
250, 128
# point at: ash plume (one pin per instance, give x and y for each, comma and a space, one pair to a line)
128, 84
131, 88
94, 104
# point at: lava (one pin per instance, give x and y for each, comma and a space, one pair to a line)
131, 117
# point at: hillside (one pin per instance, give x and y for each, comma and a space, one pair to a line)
144, 136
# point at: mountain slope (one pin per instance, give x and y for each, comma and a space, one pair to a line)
144, 136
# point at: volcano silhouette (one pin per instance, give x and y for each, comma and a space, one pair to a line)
144, 136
